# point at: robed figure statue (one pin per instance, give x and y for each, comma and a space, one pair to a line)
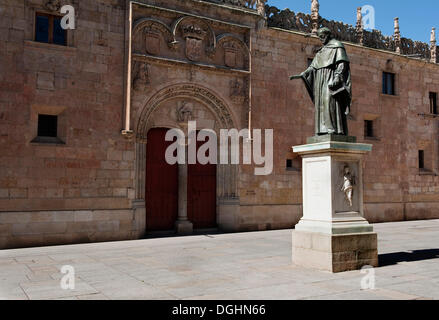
328, 81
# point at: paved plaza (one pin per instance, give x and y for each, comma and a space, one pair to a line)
221, 266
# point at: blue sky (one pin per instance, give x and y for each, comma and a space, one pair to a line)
416, 18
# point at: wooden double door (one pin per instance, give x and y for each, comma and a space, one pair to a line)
161, 186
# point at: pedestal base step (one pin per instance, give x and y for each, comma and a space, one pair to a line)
335, 253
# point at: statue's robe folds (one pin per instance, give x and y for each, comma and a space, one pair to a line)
330, 65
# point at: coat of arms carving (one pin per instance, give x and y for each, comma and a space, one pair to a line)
230, 54
152, 42
194, 36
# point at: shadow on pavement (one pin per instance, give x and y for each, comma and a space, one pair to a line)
416, 255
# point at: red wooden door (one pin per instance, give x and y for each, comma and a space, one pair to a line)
201, 202
161, 184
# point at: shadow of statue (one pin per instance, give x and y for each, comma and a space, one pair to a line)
388, 259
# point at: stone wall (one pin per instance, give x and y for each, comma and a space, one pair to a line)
82, 84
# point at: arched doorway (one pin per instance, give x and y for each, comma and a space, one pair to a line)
211, 193
161, 184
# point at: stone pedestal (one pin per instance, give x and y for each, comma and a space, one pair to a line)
333, 234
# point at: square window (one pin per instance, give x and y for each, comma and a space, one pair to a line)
388, 83
294, 164
42, 29
47, 125
421, 159
368, 129
433, 103
48, 29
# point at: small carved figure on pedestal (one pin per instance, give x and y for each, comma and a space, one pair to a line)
348, 185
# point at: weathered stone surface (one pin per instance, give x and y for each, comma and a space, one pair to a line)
334, 253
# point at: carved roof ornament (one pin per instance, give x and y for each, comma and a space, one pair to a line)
53, 5
360, 27
315, 6
290, 20
259, 5
433, 47
397, 36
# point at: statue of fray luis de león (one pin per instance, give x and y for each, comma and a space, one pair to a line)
328, 81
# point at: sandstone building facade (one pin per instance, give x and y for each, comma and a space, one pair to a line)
83, 114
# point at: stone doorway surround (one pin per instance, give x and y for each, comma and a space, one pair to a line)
171, 107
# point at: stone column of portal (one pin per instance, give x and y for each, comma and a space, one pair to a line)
333, 234
183, 225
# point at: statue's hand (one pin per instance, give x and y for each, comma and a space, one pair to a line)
298, 76
335, 83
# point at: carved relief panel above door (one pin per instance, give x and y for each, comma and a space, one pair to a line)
190, 39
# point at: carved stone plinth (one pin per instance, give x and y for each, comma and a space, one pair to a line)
184, 227
333, 234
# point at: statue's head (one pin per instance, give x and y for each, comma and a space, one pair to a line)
325, 35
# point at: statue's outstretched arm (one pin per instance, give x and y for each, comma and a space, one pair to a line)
302, 75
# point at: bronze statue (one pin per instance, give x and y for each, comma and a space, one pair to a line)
328, 81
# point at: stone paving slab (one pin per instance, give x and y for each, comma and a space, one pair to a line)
253, 265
